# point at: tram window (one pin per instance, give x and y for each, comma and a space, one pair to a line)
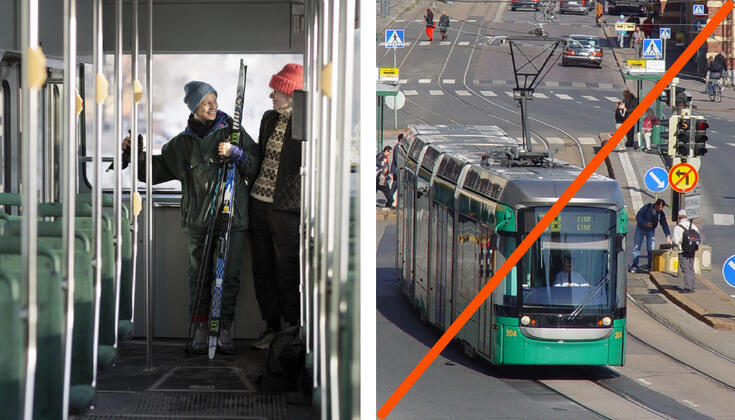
170, 73
4, 137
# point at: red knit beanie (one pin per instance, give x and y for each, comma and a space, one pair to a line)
289, 79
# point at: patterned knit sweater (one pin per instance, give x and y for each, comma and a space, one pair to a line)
265, 185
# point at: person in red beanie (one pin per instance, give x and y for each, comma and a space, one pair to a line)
275, 203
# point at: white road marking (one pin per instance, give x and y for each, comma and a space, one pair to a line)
644, 381
400, 20
424, 43
436, 93
723, 219
551, 83
488, 93
731, 144
563, 96
713, 131
555, 140
612, 98
690, 403
605, 85
509, 93
472, 20
709, 146
424, 81
444, 43
463, 93
463, 43
587, 140
579, 84
410, 92
539, 95
596, 106
418, 20
590, 98
448, 81
633, 187
402, 81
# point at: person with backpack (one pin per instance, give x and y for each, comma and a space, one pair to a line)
687, 239
443, 24
647, 218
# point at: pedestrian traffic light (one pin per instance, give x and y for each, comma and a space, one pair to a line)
700, 137
682, 137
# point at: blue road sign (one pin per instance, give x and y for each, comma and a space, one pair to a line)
657, 179
699, 24
394, 38
698, 9
664, 33
728, 271
652, 48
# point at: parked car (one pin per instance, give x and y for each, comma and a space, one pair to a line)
518, 4
582, 49
574, 6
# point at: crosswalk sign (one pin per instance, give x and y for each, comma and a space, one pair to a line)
664, 33
698, 9
652, 48
394, 38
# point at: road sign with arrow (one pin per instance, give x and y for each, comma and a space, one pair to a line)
657, 180
683, 177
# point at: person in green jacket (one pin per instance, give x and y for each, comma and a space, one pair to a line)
193, 157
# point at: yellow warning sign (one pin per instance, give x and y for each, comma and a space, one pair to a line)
625, 26
683, 177
388, 74
637, 64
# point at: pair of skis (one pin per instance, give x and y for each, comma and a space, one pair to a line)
218, 230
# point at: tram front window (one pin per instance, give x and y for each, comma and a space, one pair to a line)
571, 266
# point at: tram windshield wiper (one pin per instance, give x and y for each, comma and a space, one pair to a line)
577, 310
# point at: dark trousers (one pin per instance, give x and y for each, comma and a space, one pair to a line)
630, 141
275, 245
686, 264
231, 281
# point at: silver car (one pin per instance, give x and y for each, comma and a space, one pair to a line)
582, 49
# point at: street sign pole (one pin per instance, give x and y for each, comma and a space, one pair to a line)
395, 111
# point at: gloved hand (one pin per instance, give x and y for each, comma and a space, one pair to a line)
126, 152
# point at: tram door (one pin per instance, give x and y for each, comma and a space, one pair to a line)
421, 240
442, 238
408, 199
487, 269
467, 279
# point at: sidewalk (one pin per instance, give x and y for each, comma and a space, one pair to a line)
693, 84
659, 293
397, 8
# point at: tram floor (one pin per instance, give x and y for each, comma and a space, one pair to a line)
192, 386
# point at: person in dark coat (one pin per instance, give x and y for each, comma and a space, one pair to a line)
275, 207
443, 25
631, 102
429, 18
385, 175
193, 157
647, 218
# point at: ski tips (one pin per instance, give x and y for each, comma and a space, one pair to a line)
212, 346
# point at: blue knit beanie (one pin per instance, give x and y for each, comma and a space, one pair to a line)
195, 92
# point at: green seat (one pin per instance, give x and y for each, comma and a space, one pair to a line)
125, 326
12, 352
50, 234
49, 358
106, 351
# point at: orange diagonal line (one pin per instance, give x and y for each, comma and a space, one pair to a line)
473, 306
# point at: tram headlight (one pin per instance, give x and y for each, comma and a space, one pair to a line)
606, 321
525, 320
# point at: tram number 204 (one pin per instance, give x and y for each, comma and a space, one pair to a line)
511, 333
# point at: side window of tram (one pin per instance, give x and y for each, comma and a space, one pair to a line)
468, 253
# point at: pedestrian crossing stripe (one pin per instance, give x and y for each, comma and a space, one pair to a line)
563, 96
612, 98
509, 93
540, 95
444, 43
424, 81
587, 140
402, 81
436, 93
653, 49
463, 43
463, 93
448, 81
488, 93
555, 140
424, 43
590, 98
410, 92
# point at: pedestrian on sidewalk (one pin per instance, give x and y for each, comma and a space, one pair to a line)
429, 17
686, 238
630, 103
384, 178
647, 128
648, 217
621, 32
443, 24
636, 40
647, 26
599, 12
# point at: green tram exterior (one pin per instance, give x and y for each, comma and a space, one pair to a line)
461, 215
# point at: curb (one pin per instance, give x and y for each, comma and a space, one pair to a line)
690, 307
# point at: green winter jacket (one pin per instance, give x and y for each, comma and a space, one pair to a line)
194, 162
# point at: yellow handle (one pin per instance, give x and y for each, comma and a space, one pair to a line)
327, 80
137, 91
80, 104
137, 203
36, 68
102, 88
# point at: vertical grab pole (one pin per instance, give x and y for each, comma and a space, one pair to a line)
101, 92
117, 158
134, 194
69, 181
32, 77
306, 175
149, 262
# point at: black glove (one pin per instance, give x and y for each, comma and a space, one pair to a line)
229, 128
126, 155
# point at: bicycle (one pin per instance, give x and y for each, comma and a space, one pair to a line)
714, 88
545, 11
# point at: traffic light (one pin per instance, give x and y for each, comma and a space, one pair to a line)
671, 134
663, 133
682, 137
700, 136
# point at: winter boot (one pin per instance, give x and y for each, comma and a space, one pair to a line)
201, 334
225, 343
